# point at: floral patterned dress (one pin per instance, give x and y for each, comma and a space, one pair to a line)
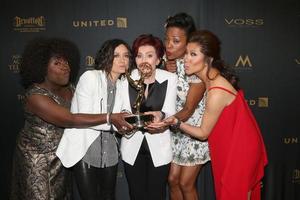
188, 151
38, 174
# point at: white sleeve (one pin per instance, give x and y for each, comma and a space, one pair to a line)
86, 98
169, 107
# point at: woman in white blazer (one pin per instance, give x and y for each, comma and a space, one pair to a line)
94, 151
146, 155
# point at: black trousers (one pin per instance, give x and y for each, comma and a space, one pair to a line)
95, 183
145, 181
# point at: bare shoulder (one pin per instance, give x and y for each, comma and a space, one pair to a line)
221, 91
216, 97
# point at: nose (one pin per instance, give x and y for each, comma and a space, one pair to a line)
124, 58
65, 66
168, 44
143, 59
185, 58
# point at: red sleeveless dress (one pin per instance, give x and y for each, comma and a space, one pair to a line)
238, 154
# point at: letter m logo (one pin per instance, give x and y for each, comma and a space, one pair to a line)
244, 61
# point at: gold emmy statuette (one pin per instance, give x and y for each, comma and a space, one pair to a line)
138, 119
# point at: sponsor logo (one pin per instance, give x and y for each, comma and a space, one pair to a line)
30, 24
119, 22
244, 22
15, 63
261, 102
243, 62
20, 97
89, 62
290, 140
296, 176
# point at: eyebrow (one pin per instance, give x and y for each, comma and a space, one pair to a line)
148, 52
180, 35
121, 52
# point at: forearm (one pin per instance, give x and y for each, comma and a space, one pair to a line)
185, 113
84, 120
194, 131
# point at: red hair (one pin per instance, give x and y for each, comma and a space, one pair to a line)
148, 39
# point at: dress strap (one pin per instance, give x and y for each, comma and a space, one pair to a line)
217, 87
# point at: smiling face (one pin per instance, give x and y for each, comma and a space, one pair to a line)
175, 43
147, 54
58, 72
194, 59
120, 61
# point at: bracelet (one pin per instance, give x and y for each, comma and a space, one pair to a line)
108, 119
175, 127
178, 122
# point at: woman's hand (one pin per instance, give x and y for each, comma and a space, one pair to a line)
153, 127
160, 126
118, 120
158, 115
156, 127
170, 65
172, 120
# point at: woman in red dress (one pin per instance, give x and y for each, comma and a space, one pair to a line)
237, 149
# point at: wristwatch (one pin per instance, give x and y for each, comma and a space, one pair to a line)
175, 127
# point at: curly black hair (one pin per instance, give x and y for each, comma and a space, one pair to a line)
39, 51
105, 55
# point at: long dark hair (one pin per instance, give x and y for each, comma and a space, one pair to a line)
211, 48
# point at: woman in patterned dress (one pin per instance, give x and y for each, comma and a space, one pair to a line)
46, 69
189, 154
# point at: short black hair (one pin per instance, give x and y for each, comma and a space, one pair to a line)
182, 21
39, 51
